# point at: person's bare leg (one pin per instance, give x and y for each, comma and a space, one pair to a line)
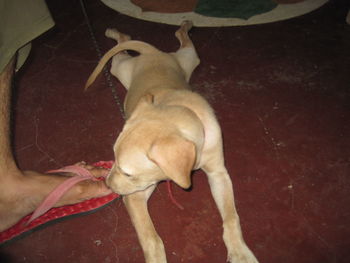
7, 162
22, 191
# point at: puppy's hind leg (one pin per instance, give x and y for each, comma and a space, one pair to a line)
182, 34
122, 63
186, 54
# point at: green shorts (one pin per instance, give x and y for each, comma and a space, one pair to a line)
20, 22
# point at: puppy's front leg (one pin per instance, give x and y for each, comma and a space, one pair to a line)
222, 191
150, 241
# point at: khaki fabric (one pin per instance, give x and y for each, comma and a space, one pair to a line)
20, 22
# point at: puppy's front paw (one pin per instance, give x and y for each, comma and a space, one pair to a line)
241, 255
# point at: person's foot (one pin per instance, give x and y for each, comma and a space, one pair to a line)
24, 191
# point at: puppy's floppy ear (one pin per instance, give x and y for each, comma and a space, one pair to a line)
175, 156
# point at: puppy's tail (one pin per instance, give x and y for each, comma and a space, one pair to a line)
138, 46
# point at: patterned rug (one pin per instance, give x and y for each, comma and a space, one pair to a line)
214, 13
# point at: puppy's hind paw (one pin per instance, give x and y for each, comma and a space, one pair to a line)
186, 25
116, 35
111, 33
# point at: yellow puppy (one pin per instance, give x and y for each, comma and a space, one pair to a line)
169, 132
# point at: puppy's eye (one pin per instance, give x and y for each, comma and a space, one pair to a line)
124, 173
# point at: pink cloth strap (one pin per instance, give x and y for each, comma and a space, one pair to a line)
82, 174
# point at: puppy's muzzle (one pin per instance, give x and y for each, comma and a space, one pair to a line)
110, 182
118, 184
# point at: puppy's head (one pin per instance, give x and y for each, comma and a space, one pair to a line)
148, 151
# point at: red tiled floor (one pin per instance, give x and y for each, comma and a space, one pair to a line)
281, 93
